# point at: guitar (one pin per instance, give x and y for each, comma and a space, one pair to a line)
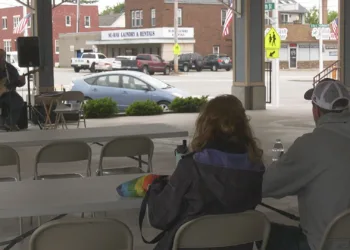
4, 84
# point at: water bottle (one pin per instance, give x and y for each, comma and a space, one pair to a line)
180, 151
277, 150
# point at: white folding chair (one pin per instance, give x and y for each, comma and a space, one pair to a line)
63, 152
337, 230
10, 157
82, 234
71, 102
127, 146
223, 231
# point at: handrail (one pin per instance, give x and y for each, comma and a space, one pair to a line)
326, 72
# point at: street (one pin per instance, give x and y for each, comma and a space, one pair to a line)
293, 84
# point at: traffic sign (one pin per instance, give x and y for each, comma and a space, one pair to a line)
272, 40
319, 25
177, 49
273, 53
269, 6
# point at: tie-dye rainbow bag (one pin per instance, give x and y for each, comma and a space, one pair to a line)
137, 187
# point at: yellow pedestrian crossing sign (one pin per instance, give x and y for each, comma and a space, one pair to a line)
273, 53
177, 49
272, 40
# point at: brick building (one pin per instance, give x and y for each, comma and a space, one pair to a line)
206, 17
63, 21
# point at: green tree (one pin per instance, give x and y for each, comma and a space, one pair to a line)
313, 14
115, 9
331, 16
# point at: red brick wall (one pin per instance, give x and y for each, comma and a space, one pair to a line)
59, 14
205, 19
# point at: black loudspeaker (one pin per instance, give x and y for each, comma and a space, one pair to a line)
28, 51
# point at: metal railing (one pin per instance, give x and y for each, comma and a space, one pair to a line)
268, 81
332, 71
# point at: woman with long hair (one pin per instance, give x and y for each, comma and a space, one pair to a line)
222, 174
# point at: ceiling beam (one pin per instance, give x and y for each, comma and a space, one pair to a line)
25, 4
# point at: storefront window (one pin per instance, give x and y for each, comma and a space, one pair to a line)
136, 18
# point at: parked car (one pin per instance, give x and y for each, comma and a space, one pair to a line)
87, 61
189, 61
126, 87
216, 62
104, 65
150, 64
124, 62
12, 57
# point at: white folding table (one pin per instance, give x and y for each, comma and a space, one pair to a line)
89, 135
64, 196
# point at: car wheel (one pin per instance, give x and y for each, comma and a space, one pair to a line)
214, 68
167, 71
186, 68
228, 69
145, 70
92, 68
76, 69
164, 105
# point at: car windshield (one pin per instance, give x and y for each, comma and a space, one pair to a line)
154, 82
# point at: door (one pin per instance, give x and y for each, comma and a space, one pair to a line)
206, 63
292, 58
157, 64
134, 90
107, 86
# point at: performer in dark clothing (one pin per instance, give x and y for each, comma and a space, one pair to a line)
10, 102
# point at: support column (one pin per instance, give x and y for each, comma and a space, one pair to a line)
248, 55
344, 41
43, 24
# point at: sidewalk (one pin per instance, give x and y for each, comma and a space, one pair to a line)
285, 123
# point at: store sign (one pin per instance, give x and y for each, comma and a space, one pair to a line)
326, 32
146, 33
283, 33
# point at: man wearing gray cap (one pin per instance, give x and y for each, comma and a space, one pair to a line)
316, 169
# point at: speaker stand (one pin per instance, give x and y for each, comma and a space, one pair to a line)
31, 109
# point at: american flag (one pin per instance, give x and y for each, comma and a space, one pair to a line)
22, 24
228, 20
334, 26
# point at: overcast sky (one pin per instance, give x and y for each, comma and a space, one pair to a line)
332, 4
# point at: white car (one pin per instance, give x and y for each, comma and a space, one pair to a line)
104, 65
117, 63
12, 57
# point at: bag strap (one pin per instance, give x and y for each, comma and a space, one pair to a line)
142, 214
281, 212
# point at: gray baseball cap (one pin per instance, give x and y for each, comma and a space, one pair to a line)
326, 93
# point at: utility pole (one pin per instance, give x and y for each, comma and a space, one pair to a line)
321, 38
276, 62
78, 16
176, 27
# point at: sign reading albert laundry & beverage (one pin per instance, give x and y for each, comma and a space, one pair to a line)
146, 33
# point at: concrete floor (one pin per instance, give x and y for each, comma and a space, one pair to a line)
290, 120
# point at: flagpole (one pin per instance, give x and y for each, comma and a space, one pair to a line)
26, 27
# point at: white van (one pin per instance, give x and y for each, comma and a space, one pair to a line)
12, 57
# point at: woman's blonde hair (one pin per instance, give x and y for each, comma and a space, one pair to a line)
224, 116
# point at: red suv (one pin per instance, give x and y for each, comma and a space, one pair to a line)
149, 64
